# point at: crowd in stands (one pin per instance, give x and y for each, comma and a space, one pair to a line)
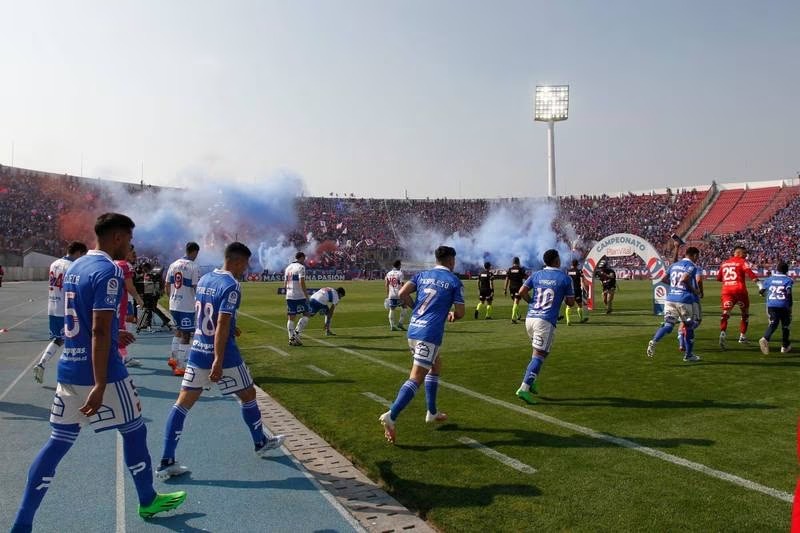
362, 233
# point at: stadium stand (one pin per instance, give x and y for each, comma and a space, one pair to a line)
363, 233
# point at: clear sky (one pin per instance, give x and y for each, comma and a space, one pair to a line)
379, 97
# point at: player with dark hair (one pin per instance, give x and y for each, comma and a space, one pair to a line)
576, 276
732, 273
93, 384
608, 279
182, 277
550, 286
296, 298
438, 290
680, 303
515, 277
778, 290
55, 305
392, 283
485, 290
215, 357
324, 302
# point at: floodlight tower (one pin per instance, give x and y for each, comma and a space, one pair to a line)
551, 105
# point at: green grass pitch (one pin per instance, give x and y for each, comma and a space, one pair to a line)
733, 412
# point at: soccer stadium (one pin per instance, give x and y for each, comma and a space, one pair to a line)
308, 266
661, 440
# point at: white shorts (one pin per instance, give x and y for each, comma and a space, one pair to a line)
541, 333
120, 406
234, 379
697, 312
675, 312
425, 353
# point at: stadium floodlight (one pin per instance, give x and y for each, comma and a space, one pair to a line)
551, 104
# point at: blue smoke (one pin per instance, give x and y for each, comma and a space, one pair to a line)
214, 213
520, 229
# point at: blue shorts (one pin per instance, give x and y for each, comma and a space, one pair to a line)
183, 321
296, 307
394, 303
56, 327
317, 307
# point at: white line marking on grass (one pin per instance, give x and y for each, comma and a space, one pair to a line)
120, 485
494, 454
21, 375
270, 347
625, 443
15, 306
380, 399
25, 320
318, 370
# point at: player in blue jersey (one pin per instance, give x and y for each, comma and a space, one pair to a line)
214, 357
681, 303
93, 384
778, 290
544, 291
438, 290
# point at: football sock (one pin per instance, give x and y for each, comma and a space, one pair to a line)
137, 458
402, 317
665, 329
567, 315
176, 342
173, 431
290, 328
534, 367
431, 388
42, 471
514, 309
49, 352
488, 310
689, 341
391, 318
301, 325
251, 415
743, 323
723, 321
183, 355
682, 338
479, 307
404, 397
580, 313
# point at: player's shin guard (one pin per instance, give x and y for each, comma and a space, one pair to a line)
404, 397
301, 325
744, 323
290, 328
51, 350
664, 330
533, 370
431, 388
173, 431
251, 415
42, 471
137, 458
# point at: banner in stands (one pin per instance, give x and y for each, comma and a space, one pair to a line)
623, 245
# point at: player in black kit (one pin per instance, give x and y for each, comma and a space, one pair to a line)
609, 280
485, 290
515, 277
574, 273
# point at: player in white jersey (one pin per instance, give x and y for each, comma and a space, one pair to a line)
182, 278
324, 302
393, 282
296, 298
55, 306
